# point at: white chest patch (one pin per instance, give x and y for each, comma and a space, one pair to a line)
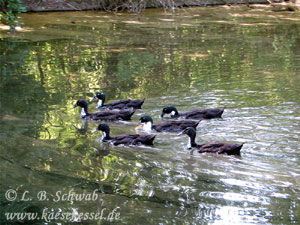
173, 113
99, 104
83, 114
103, 136
189, 145
147, 126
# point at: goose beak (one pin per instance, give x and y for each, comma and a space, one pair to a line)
138, 127
181, 133
94, 131
74, 106
93, 98
162, 115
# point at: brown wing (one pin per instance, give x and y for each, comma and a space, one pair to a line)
124, 139
220, 148
137, 104
203, 114
122, 104
175, 125
112, 115
188, 123
133, 139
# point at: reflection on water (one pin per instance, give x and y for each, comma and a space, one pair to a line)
197, 58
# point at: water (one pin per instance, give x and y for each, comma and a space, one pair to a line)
246, 60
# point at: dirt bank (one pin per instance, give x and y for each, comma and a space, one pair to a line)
135, 6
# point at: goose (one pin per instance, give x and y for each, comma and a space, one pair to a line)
193, 114
146, 123
217, 148
127, 139
109, 115
120, 104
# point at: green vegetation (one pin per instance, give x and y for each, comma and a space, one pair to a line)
10, 10
218, 59
135, 6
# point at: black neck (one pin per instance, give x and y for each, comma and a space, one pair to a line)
86, 110
106, 136
103, 100
192, 141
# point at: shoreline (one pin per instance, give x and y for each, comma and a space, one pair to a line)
75, 5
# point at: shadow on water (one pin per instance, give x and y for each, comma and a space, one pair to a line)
196, 58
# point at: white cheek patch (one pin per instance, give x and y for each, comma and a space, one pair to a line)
99, 103
173, 113
82, 112
148, 126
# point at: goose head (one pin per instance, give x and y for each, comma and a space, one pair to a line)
191, 133
169, 110
101, 99
84, 107
146, 122
105, 130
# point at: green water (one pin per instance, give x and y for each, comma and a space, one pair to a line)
246, 60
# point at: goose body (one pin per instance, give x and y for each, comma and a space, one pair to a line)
170, 125
126, 139
193, 114
217, 148
120, 104
109, 115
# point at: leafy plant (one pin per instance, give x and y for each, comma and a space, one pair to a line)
10, 10
135, 6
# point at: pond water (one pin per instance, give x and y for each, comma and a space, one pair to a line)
245, 59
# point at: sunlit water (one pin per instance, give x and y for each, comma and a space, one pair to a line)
246, 60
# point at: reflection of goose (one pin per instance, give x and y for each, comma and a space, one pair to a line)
146, 123
120, 104
103, 115
84, 127
102, 152
103, 173
131, 139
218, 148
193, 114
